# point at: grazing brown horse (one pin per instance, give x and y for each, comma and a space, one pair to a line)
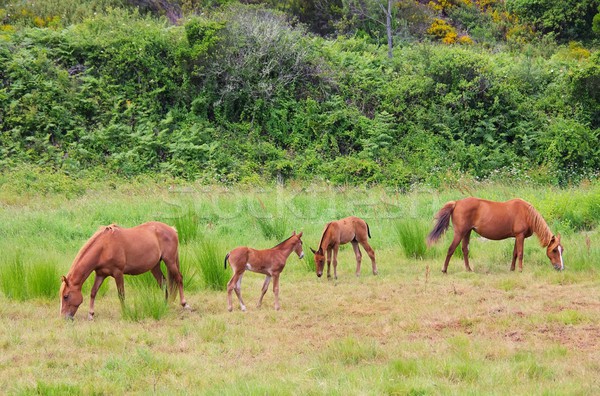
269, 262
351, 229
495, 220
115, 251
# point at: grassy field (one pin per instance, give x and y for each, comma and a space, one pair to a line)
410, 330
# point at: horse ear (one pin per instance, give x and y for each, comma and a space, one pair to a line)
294, 233
64, 279
313, 250
300, 234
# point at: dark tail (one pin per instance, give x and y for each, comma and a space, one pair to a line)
368, 230
225, 263
442, 224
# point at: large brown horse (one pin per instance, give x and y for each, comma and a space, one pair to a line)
269, 262
115, 251
351, 229
495, 220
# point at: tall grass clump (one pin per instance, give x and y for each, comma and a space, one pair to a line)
411, 234
186, 223
273, 228
12, 278
20, 280
42, 280
144, 303
209, 258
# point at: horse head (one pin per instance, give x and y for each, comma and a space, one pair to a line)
70, 298
319, 260
298, 244
554, 252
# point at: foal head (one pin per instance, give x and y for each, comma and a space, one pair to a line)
319, 260
554, 252
297, 244
70, 299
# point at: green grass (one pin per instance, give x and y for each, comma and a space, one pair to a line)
411, 235
209, 258
405, 331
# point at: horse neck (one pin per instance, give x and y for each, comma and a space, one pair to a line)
539, 226
85, 263
325, 238
286, 247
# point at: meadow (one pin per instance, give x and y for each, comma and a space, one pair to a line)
411, 330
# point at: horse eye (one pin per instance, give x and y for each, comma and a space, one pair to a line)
66, 296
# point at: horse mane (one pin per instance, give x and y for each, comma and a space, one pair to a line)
323, 236
282, 242
539, 226
87, 246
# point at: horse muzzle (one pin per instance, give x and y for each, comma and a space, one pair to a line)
558, 267
319, 274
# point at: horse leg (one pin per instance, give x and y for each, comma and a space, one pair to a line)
519, 244
451, 249
120, 286
264, 290
235, 283
514, 257
160, 278
465, 249
276, 290
358, 256
329, 252
174, 274
371, 254
97, 283
336, 247
238, 291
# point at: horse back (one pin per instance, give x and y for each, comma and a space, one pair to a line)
491, 219
140, 248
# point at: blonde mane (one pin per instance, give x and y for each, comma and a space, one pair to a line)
539, 226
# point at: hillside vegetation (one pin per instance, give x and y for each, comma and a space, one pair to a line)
222, 91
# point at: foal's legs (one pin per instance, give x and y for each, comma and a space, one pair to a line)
235, 283
465, 249
97, 283
336, 247
358, 256
329, 252
371, 254
264, 290
276, 290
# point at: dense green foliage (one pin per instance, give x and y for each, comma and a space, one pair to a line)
241, 94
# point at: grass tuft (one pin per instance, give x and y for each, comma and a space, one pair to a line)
143, 304
209, 259
411, 234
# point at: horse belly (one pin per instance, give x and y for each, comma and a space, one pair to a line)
140, 258
494, 230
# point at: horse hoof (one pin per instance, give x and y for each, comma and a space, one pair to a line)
187, 307
230, 309
243, 309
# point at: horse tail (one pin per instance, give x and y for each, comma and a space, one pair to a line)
442, 224
225, 262
368, 230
